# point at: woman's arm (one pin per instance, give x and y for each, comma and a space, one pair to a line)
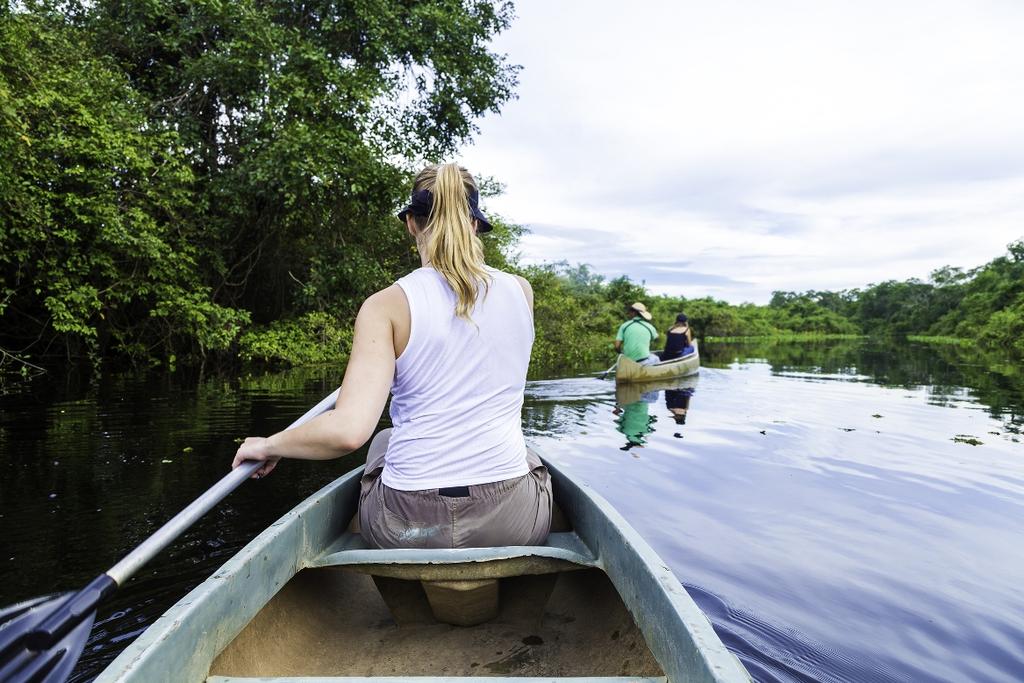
364, 392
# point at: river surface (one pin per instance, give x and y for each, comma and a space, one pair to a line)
840, 512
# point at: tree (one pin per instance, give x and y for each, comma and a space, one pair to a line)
89, 250
293, 116
173, 170
622, 292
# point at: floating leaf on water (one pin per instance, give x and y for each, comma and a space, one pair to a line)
165, 461
186, 449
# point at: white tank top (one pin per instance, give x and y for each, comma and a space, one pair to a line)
457, 397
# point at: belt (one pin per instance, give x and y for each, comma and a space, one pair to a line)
454, 492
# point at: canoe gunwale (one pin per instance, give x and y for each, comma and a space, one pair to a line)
670, 620
189, 626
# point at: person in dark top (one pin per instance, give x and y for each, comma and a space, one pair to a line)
678, 339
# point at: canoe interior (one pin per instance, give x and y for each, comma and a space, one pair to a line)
307, 600
354, 615
333, 622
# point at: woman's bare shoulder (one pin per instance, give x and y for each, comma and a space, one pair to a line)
527, 288
392, 297
389, 303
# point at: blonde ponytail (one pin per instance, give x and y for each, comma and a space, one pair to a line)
453, 248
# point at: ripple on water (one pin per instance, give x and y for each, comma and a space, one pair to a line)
852, 539
813, 502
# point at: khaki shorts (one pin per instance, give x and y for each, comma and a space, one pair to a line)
510, 512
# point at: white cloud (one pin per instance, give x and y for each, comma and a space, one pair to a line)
793, 145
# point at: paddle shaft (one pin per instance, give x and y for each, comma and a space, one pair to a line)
163, 536
82, 603
614, 365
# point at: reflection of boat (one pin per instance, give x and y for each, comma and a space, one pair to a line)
628, 370
634, 391
306, 598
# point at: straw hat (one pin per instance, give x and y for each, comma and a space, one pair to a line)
642, 310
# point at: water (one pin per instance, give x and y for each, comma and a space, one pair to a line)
841, 512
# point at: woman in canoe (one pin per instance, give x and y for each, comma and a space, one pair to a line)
451, 342
678, 339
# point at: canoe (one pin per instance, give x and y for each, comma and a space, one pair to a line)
306, 600
628, 370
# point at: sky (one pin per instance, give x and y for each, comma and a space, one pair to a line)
732, 148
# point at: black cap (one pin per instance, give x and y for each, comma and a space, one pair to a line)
681, 318
423, 200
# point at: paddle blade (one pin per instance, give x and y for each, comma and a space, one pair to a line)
20, 662
41, 639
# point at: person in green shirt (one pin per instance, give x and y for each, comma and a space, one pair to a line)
636, 334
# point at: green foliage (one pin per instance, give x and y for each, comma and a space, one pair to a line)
812, 312
1005, 330
787, 337
311, 339
172, 172
293, 117
194, 180
500, 243
89, 249
932, 339
985, 305
992, 304
574, 325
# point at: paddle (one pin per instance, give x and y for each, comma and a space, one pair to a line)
41, 639
605, 373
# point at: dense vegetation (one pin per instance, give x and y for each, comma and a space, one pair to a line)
196, 178
199, 180
984, 305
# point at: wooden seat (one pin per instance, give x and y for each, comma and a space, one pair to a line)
459, 584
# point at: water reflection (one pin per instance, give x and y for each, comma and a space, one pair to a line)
678, 403
819, 506
635, 401
634, 420
949, 374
